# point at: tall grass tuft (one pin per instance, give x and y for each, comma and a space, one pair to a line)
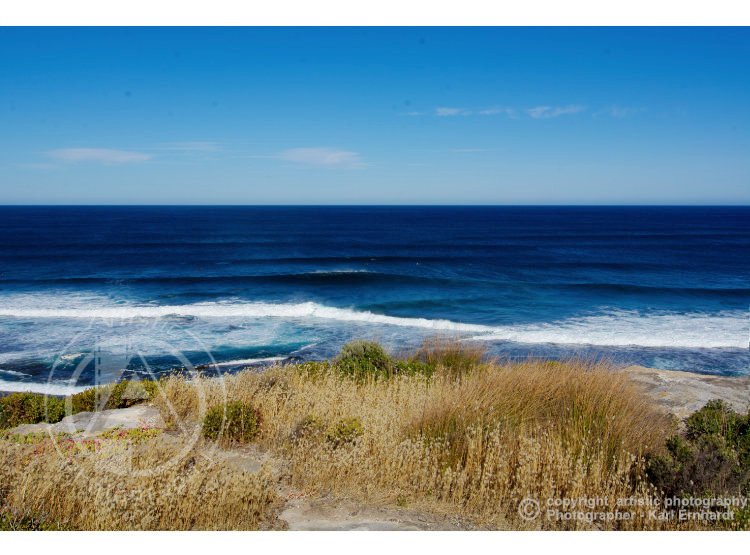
454, 356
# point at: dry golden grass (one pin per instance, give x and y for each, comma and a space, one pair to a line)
474, 439
452, 355
474, 442
115, 489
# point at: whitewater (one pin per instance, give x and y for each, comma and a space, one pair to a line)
729, 329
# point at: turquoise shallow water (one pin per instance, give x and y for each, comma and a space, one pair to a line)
89, 292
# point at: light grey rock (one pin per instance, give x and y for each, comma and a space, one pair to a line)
42, 428
682, 393
88, 424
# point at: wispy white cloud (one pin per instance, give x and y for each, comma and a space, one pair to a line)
413, 113
543, 112
100, 155
189, 146
319, 156
322, 156
619, 112
497, 110
490, 111
537, 112
444, 111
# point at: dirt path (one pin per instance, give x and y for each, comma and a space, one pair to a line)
311, 510
325, 513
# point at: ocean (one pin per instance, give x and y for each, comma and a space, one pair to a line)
95, 294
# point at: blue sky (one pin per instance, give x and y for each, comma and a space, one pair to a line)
374, 115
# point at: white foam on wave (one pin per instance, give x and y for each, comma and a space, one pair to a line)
727, 329
248, 361
337, 271
12, 372
630, 328
52, 388
242, 310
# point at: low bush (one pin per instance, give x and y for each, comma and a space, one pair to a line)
344, 432
30, 408
310, 426
18, 521
31, 438
231, 423
717, 417
413, 368
363, 360
314, 369
121, 395
712, 458
131, 434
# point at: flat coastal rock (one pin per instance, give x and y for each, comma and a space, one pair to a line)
93, 423
682, 393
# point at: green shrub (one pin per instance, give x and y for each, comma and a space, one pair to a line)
362, 359
121, 395
16, 521
131, 434
713, 457
30, 408
86, 401
31, 438
344, 432
717, 418
413, 368
311, 425
233, 422
315, 368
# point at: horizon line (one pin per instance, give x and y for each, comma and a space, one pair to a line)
373, 205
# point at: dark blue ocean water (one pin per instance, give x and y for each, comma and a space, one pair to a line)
88, 291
